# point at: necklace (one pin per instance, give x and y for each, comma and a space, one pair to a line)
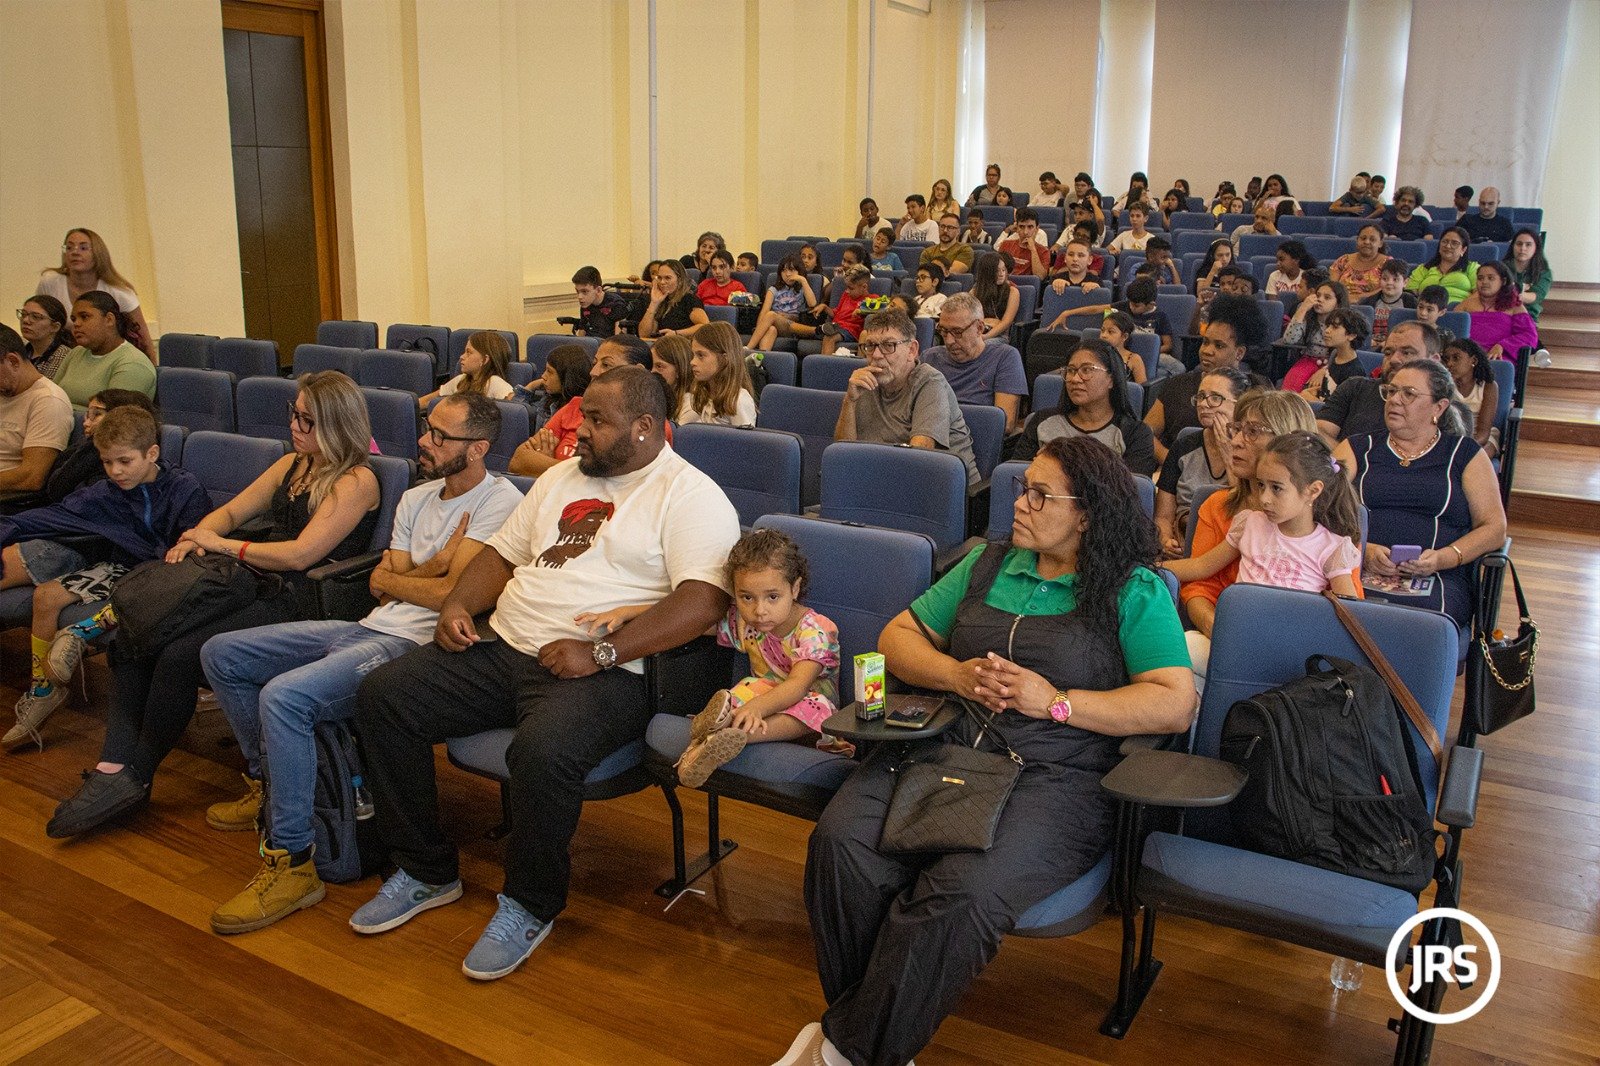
1407, 460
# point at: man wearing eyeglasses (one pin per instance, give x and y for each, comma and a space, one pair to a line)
276, 682
1234, 327
1356, 406
981, 373
895, 399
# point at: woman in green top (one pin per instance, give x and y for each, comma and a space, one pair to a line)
1529, 269
1069, 641
1449, 267
103, 359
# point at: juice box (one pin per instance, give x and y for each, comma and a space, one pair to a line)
870, 697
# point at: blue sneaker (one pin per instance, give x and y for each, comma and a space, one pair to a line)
401, 898
512, 935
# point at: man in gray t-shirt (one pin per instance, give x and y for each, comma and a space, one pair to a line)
895, 399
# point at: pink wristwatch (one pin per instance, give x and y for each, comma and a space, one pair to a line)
1060, 708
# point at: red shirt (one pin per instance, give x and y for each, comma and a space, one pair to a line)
1020, 257
715, 295
848, 314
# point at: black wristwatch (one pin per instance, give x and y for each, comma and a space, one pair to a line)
605, 654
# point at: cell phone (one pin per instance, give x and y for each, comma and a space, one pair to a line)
912, 712
1405, 553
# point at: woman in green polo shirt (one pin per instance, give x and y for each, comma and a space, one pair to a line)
1070, 639
103, 359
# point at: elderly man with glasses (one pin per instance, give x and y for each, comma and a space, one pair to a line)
277, 682
988, 373
895, 399
1356, 406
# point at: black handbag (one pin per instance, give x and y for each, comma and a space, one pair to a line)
948, 797
1500, 672
157, 602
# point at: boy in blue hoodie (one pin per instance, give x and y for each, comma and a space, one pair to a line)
133, 516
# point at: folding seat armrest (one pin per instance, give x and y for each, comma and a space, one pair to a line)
1174, 779
342, 588
346, 569
1458, 797
680, 680
1153, 742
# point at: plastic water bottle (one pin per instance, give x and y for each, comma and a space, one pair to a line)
363, 798
1541, 358
1345, 975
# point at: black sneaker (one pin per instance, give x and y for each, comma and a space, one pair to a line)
101, 798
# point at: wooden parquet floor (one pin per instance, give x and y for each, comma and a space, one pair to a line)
106, 954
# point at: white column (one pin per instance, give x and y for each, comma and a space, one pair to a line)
1573, 246
1372, 94
1122, 112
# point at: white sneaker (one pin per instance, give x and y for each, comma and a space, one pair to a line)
806, 1049
32, 710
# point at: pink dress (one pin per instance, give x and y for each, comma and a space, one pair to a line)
772, 657
1308, 563
1509, 331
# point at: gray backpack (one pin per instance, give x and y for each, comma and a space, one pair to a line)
347, 847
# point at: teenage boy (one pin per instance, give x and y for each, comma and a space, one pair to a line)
1135, 237
1077, 268
1029, 255
599, 311
1390, 297
140, 509
1158, 254
975, 235
1463, 200
917, 226
869, 223
1050, 194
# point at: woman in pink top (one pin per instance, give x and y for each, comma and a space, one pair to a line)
1499, 321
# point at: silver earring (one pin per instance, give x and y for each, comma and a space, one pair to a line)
641, 436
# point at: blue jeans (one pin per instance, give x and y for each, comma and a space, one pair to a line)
275, 683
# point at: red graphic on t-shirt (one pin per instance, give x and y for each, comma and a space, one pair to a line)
580, 524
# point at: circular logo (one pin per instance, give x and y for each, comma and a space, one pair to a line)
1403, 935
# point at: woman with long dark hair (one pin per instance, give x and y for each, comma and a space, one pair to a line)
1093, 404
42, 321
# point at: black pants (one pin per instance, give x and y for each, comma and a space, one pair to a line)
564, 729
154, 698
900, 938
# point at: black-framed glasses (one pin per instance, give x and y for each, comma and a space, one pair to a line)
1250, 431
1036, 496
888, 348
300, 420
950, 334
439, 436
1209, 399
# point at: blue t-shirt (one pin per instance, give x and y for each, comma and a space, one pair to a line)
997, 369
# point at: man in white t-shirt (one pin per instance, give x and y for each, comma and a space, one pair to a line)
626, 522
35, 419
277, 682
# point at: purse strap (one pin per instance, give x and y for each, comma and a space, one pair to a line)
1522, 601
969, 707
1397, 687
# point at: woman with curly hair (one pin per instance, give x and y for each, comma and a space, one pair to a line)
1067, 641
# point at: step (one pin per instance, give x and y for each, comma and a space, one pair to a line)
1567, 307
1571, 368
1566, 331
1561, 415
1557, 484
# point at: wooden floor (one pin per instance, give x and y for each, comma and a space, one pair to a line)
106, 955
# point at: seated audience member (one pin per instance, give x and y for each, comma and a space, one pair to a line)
599, 311
1293, 260
811, 260
103, 358
750, 263
80, 464
1231, 280
673, 308
321, 501
1252, 191
132, 517
1488, 224
1219, 255
1265, 222
1356, 405
1449, 267
1358, 201
1138, 193
789, 309
1305, 331
1529, 270
975, 236
883, 260
43, 324
1173, 201
1462, 201
1235, 326
1140, 306
715, 288
926, 286
1343, 331
1275, 190
1475, 383
949, 252
869, 223
917, 226
1076, 270
35, 418
845, 318
721, 389
1225, 192
1200, 460
1135, 237
276, 683
895, 399
1404, 222
485, 363
1359, 270
996, 292
1095, 638
850, 255
1115, 329
629, 521
1376, 186
989, 191
1499, 321
86, 267
567, 372
1030, 255
1425, 481
1158, 254
704, 249
671, 360
980, 372
1093, 404
1050, 194
1390, 297
940, 202
1086, 197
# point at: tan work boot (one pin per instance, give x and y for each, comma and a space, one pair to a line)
276, 892
235, 816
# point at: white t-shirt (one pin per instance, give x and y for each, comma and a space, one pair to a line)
931, 305
38, 417
926, 230
423, 524
1126, 241
744, 413
497, 389
582, 543
52, 283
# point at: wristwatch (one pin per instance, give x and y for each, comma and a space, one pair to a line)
1060, 708
605, 654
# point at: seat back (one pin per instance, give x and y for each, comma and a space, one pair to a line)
915, 489
171, 439
1254, 244
186, 349
811, 415
1003, 498
263, 407
1178, 309
1147, 346
831, 372
521, 374
410, 372
245, 358
195, 399
901, 565
757, 469
1192, 241
773, 252
1272, 311
514, 430
1457, 322
1191, 220
1369, 361
394, 421
730, 315
433, 341
783, 368
1343, 225
1301, 226
1047, 390
345, 333
1411, 252
1147, 494
1327, 249
1071, 300
312, 358
987, 424
540, 345
458, 344
1505, 377
225, 463
394, 478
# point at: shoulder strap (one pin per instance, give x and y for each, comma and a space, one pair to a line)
1397, 687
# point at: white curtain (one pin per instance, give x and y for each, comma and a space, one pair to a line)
971, 137
1482, 123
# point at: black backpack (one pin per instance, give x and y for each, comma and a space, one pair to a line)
156, 602
755, 365
347, 847
1333, 777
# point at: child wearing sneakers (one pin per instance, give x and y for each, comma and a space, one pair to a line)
141, 509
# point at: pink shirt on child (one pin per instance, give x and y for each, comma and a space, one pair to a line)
1268, 557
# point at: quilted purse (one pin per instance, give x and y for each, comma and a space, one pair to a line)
948, 797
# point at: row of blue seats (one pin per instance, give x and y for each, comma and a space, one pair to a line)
251, 358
